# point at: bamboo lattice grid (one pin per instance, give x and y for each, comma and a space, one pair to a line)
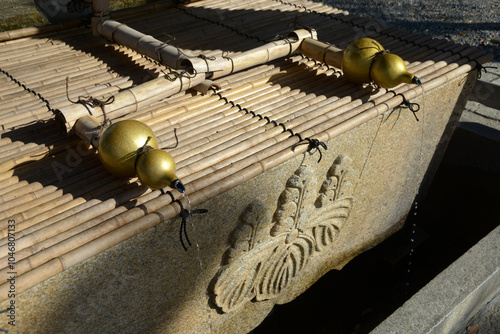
67, 208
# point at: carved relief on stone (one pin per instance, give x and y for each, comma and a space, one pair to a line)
267, 253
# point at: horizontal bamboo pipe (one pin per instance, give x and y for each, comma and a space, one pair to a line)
131, 100
176, 58
265, 53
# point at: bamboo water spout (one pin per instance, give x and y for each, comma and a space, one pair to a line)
172, 56
191, 74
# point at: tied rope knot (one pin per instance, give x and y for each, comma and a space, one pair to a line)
481, 68
174, 75
205, 57
413, 106
313, 144
185, 214
90, 101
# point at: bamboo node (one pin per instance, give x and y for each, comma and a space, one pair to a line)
225, 55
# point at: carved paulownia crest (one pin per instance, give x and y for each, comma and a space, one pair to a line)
268, 252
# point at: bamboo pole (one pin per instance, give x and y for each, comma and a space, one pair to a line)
178, 59
264, 54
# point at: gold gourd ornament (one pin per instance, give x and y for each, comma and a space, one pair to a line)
357, 59
388, 70
129, 148
120, 144
156, 169
365, 60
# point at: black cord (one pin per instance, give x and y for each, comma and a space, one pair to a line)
184, 214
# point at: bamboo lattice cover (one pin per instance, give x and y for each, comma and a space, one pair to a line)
67, 208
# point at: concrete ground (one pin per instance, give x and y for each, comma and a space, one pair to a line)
484, 104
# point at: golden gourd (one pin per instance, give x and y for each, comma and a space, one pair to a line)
365, 61
388, 70
156, 169
357, 59
120, 144
129, 148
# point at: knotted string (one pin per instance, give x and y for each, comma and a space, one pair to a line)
414, 107
184, 214
313, 144
91, 102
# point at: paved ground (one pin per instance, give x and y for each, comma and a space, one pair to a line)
484, 105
